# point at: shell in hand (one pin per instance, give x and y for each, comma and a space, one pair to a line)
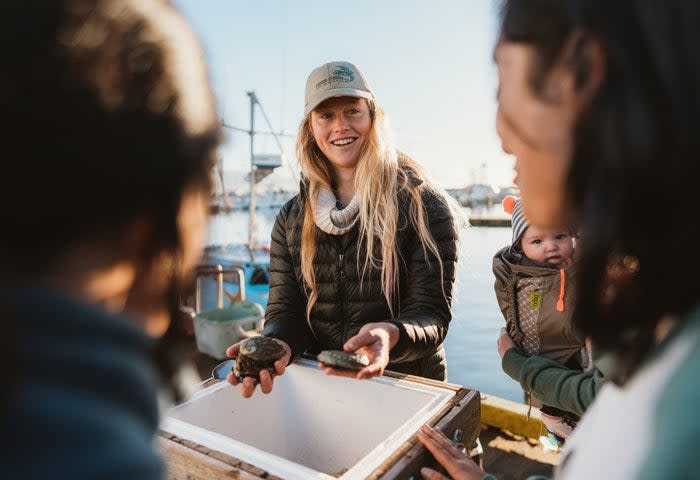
341, 359
257, 354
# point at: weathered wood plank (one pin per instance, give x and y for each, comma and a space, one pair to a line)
513, 457
185, 463
462, 413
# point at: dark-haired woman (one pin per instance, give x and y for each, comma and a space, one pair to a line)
109, 127
599, 103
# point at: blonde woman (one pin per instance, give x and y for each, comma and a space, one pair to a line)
363, 259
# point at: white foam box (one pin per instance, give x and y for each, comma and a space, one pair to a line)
314, 426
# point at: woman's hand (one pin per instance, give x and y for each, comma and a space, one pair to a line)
455, 461
504, 342
266, 379
374, 340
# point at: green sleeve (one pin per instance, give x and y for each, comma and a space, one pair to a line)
554, 384
673, 450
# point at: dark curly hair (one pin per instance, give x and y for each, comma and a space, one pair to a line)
100, 128
636, 151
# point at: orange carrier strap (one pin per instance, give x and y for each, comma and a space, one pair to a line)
562, 290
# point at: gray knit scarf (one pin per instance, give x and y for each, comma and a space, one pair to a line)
330, 218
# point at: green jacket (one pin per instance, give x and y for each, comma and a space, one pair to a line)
553, 383
647, 429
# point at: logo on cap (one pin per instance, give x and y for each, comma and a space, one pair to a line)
341, 74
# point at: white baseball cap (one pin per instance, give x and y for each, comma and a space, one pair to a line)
335, 79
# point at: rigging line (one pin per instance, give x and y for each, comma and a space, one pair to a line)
246, 130
279, 144
269, 124
224, 192
285, 29
238, 129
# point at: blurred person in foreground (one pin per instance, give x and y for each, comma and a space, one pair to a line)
108, 138
599, 103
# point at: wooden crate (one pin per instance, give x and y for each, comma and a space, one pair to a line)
459, 418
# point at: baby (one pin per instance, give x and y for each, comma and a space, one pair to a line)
534, 290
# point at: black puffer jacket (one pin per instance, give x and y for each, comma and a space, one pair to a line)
422, 312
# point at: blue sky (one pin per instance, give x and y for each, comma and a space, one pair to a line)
429, 64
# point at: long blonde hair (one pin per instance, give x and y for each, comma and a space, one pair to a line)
381, 172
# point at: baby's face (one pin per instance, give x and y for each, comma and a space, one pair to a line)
548, 245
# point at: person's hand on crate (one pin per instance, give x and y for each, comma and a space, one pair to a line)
448, 454
266, 379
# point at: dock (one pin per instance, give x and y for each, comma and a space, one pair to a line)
475, 220
489, 221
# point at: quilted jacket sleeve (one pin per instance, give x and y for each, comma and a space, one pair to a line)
285, 317
427, 296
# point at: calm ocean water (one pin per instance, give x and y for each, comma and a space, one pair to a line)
471, 342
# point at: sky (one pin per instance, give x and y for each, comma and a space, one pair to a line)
429, 63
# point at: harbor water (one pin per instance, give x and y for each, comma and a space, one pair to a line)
472, 357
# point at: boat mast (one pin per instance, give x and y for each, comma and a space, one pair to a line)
260, 166
252, 206
226, 201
